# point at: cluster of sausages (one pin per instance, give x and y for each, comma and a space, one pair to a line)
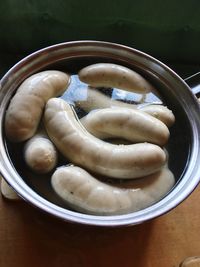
48, 125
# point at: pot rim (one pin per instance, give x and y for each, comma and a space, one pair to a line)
51, 54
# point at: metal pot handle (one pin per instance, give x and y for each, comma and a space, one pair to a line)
194, 82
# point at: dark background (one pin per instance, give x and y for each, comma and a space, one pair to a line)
168, 30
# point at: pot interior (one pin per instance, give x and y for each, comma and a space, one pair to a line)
178, 147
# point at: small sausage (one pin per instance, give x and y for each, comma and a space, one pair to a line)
7, 191
82, 148
97, 100
114, 76
132, 125
40, 154
86, 194
160, 112
26, 107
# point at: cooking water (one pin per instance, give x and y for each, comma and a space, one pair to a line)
78, 93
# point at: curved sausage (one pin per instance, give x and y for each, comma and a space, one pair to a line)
97, 100
160, 112
82, 148
86, 194
132, 125
26, 107
114, 76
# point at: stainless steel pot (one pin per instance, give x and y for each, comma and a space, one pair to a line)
184, 145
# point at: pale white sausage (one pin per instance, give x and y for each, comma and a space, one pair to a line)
86, 194
114, 76
97, 100
40, 154
7, 191
82, 148
132, 125
160, 112
25, 109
